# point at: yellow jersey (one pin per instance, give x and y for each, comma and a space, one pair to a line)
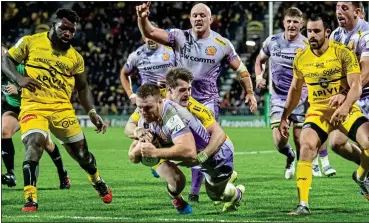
54, 69
325, 76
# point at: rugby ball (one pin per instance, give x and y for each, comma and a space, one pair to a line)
149, 161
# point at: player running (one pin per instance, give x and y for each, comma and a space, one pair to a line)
173, 124
151, 61
202, 51
10, 110
281, 48
328, 68
53, 67
354, 33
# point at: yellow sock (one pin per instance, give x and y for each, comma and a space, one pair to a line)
30, 191
363, 169
94, 178
304, 177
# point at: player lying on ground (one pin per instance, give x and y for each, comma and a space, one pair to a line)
170, 123
204, 62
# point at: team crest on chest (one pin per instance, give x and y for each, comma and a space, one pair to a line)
165, 56
210, 50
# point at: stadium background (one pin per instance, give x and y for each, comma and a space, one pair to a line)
107, 34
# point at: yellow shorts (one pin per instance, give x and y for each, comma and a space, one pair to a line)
59, 118
319, 123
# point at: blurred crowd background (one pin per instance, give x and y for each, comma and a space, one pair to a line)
108, 33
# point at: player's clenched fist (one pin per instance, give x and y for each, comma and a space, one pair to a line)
143, 11
250, 98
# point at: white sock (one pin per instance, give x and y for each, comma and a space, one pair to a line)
316, 161
325, 161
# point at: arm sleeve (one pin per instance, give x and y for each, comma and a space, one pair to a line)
364, 45
131, 62
231, 53
265, 47
80, 66
20, 50
173, 36
350, 64
176, 126
201, 112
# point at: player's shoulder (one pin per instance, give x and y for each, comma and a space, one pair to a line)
337, 45
35, 37
336, 33
219, 39
75, 53
140, 51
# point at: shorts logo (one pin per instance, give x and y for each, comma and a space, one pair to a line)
68, 122
26, 118
165, 57
210, 50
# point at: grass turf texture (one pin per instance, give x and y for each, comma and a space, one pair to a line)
139, 197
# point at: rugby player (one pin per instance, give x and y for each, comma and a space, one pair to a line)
151, 61
53, 68
328, 68
202, 51
354, 33
281, 48
173, 124
10, 110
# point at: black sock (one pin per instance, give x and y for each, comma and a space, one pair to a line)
30, 173
56, 157
90, 166
7, 153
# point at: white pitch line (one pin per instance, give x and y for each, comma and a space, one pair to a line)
123, 218
255, 152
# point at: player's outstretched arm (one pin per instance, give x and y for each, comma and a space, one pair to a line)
146, 28
245, 81
134, 152
87, 101
261, 59
130, 128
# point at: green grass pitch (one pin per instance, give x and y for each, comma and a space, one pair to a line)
139, 197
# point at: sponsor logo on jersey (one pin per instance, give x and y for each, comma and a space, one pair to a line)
165, 57
210, 50
26, 118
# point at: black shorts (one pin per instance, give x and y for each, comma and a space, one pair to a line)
7, 107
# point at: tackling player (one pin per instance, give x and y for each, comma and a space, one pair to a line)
173, 124
281, 48
54, 68
10, 110
202, 51
354, 33
328, 68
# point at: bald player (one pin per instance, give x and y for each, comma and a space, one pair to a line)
202, 51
